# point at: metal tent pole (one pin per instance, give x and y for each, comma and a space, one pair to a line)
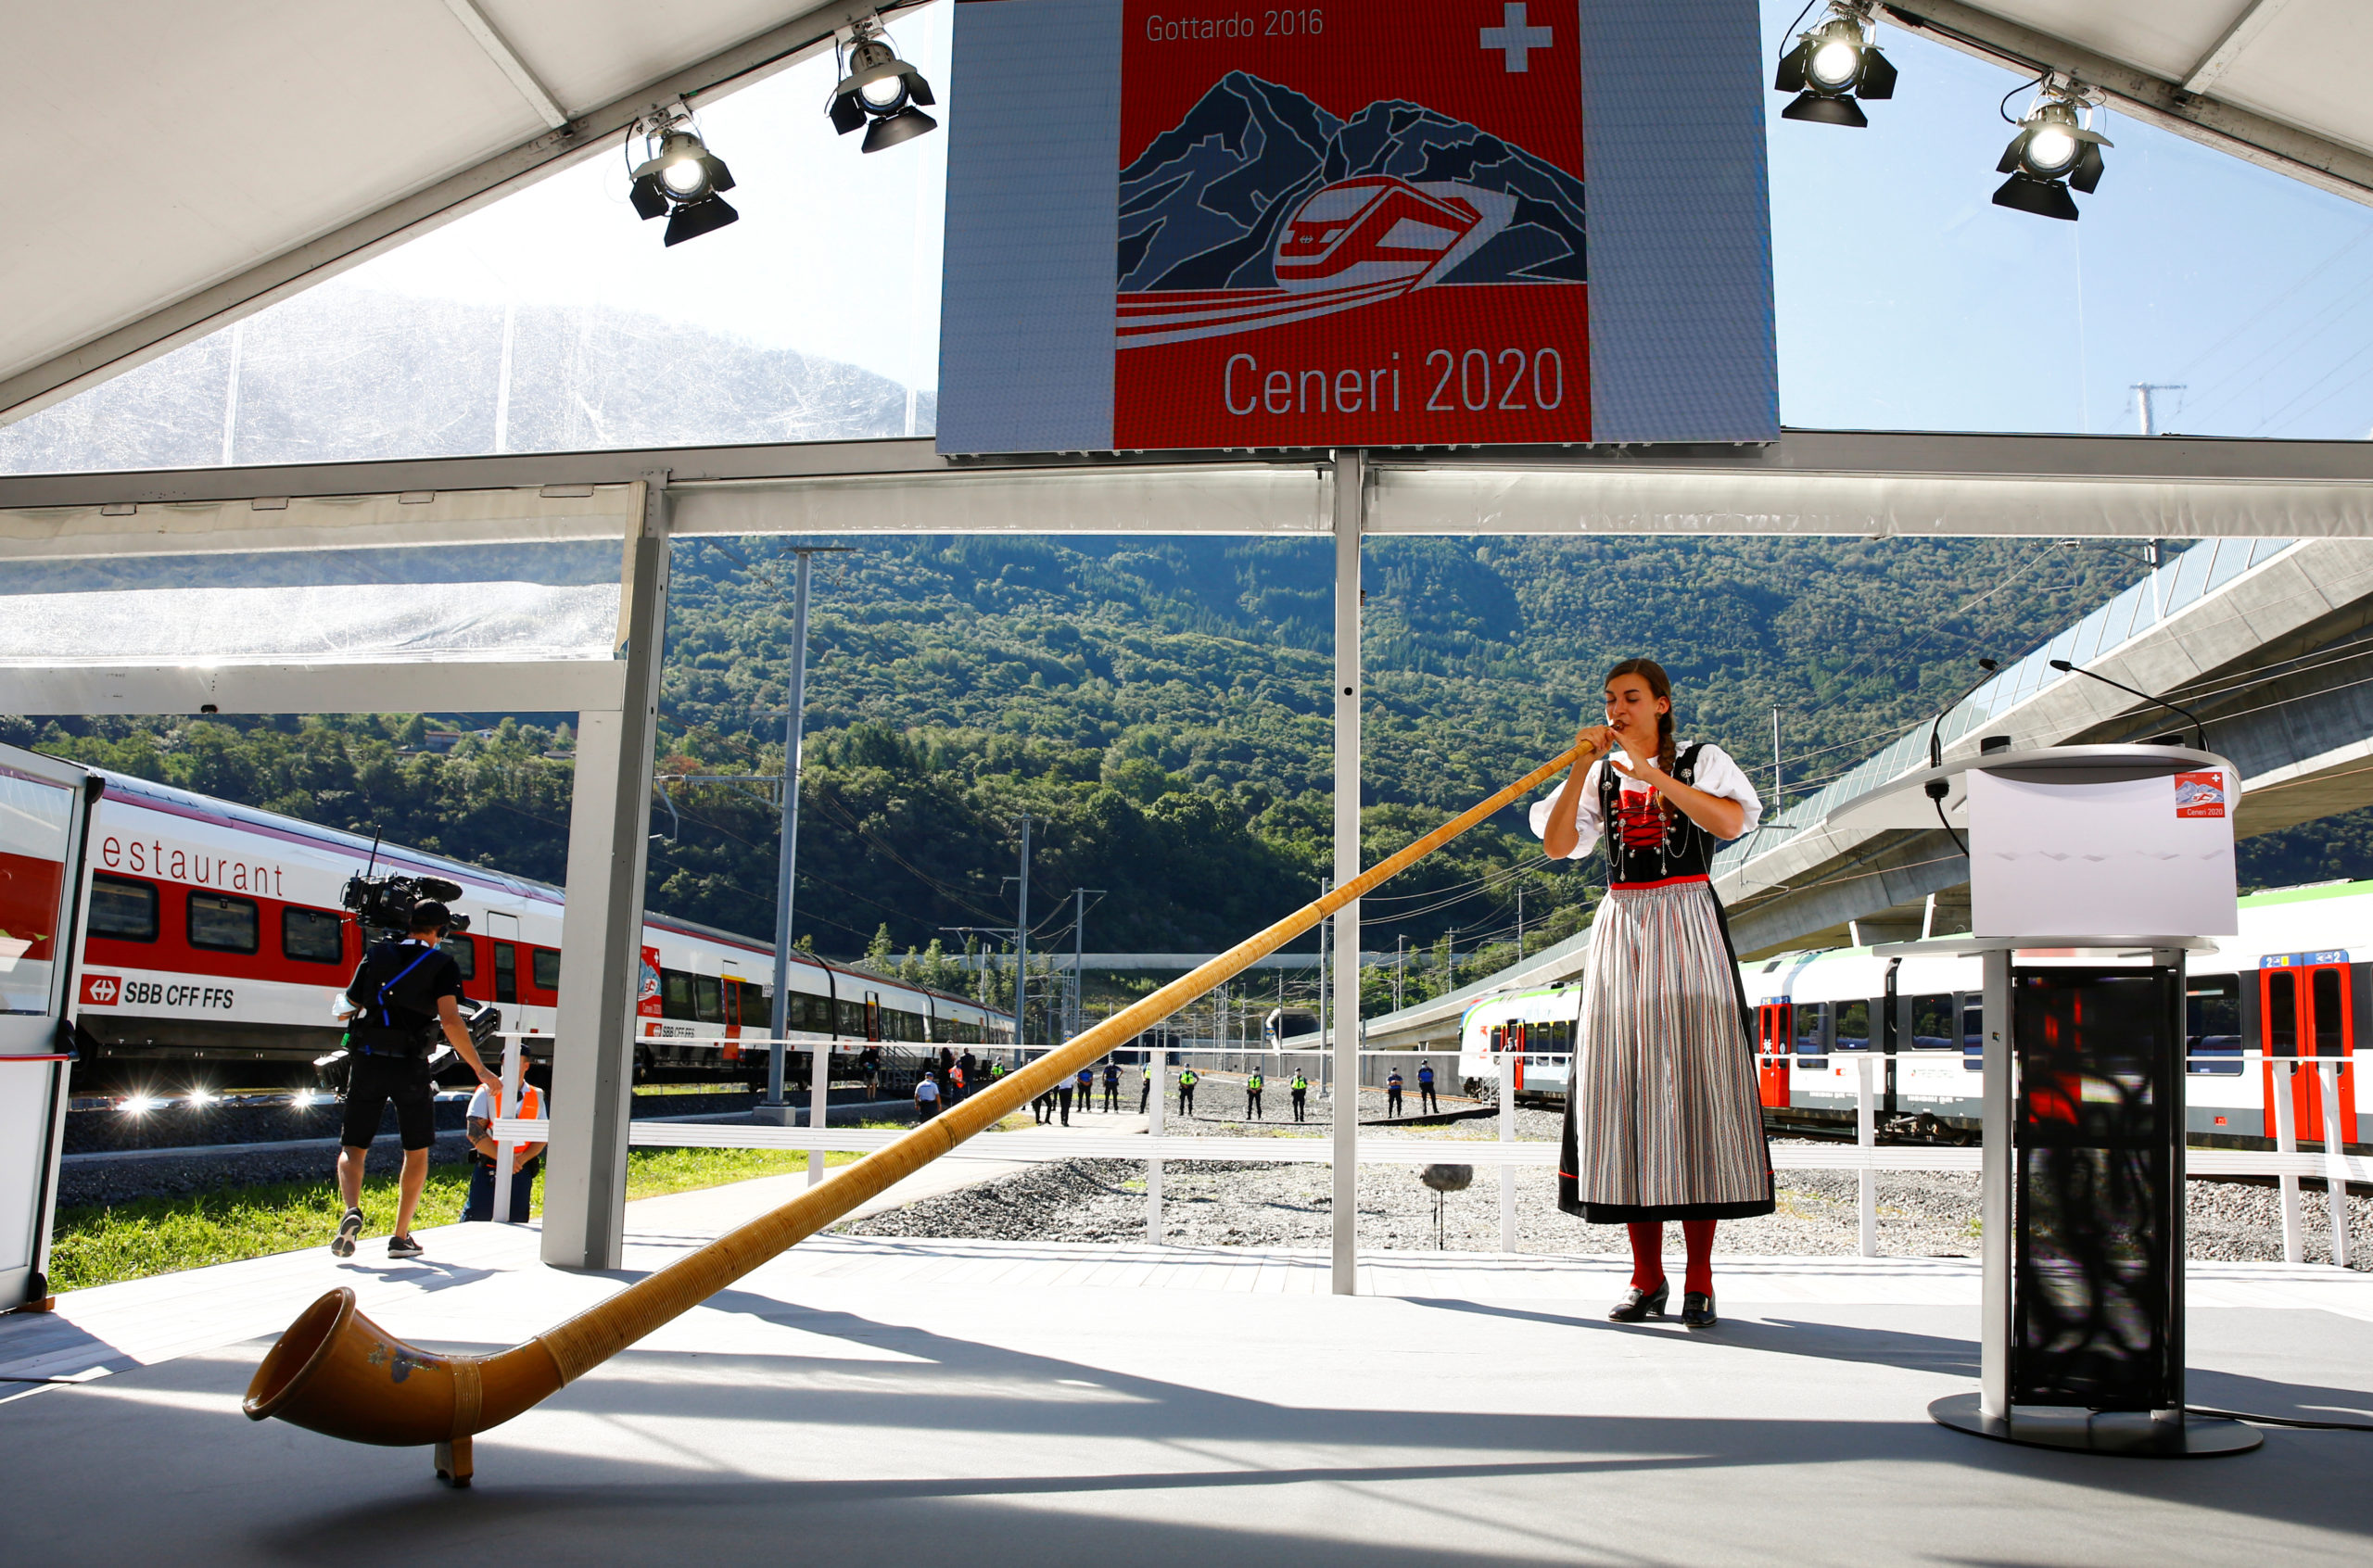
609, 851
1350, 501
787, 850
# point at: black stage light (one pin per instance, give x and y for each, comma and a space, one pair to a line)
1832, 66
880, 92
678, 177
2053, 151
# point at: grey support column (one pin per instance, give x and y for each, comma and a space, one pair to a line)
601, 966
1994, 1199
1351, 505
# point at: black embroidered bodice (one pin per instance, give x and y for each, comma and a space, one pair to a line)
1641, 846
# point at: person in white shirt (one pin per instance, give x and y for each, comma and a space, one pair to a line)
1663, 1120
926, 1097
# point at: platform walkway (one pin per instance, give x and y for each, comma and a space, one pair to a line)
868, 1399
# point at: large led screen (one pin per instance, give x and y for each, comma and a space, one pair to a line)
1358, 223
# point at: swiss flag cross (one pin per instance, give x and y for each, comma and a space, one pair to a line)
101, 990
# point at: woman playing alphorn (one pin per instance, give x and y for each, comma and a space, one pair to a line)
1662, 1122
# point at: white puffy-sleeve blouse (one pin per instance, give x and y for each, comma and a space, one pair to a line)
1717, 774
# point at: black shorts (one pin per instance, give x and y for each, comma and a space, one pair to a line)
374, 1081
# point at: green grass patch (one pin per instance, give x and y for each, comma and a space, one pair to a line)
101, 1244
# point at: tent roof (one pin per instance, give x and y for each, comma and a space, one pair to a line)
199, 162
196, 162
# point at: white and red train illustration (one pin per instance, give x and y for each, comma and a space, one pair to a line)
211, 947
2296, 982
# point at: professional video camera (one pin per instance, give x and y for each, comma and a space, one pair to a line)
384, 904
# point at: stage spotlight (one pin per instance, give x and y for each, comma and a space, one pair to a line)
678, 177
880, 92
1832, 65
2055, 149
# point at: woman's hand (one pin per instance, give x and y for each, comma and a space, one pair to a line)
1640, 751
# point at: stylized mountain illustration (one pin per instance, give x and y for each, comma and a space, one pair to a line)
1203, 207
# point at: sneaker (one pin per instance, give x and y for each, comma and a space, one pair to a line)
404, 1246
349, 1230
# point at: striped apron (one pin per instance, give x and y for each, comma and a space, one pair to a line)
1663, 1121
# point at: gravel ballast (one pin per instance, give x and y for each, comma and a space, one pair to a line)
1930, 1214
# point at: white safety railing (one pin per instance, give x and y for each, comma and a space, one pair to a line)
2286, 1162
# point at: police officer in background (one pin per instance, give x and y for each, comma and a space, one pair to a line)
1392, 1092
1111, 1087
1252, 1084
1186, 1081
1300, 1087
404, 995
1426, 1101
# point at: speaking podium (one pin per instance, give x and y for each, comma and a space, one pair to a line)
2093, 870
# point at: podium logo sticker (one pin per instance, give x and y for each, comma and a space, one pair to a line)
101, 990
2199, 794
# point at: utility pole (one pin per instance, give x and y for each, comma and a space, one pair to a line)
1021, 943
2145, 409
1078, 954
1519, 922
1775, 761
795, 725
1400, 967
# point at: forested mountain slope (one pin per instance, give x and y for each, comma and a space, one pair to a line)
1159, 707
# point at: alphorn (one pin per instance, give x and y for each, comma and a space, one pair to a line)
337, 1372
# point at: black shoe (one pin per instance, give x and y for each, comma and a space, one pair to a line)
1640, 1305
349, 1230
1697, 1311
404, 1246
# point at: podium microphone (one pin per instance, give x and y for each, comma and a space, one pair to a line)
1938, 787
1936, 751
2199, 729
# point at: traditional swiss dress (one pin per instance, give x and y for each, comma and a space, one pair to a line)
1663, 1121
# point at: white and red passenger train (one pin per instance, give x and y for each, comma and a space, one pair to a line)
2296, 981
213, 947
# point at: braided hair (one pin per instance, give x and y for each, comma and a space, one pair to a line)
1659, 685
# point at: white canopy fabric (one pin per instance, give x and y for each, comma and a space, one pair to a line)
196, 162
201, 160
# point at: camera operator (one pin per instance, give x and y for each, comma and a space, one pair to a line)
405, 993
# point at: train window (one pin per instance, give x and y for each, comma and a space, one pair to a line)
1853, 1026
2281, 1013
1974, 1038
544, 969
223, 924
676, 996
2213, 1026
708, 998
506, 972
465, 953
312, 936
1932, 1024
852, 1018
123, 908
2324, 988
907, 1026
1812, 1040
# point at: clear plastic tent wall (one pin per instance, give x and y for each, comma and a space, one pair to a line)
532, 602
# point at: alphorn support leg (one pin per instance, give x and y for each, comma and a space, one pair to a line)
453, 1462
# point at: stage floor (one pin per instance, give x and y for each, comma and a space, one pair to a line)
915, 1403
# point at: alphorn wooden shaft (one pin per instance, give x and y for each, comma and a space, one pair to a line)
335, 1371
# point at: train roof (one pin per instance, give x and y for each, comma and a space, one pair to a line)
178, 801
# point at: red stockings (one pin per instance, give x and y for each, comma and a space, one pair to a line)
1648, 1260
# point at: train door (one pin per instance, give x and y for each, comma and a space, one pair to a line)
1774, 1042
43, 809
2304, 1011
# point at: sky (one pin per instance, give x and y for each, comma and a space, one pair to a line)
836, 253
1905, 299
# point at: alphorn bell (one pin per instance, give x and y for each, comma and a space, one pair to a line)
337, 1372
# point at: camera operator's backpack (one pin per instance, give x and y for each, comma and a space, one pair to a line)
378, 1002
